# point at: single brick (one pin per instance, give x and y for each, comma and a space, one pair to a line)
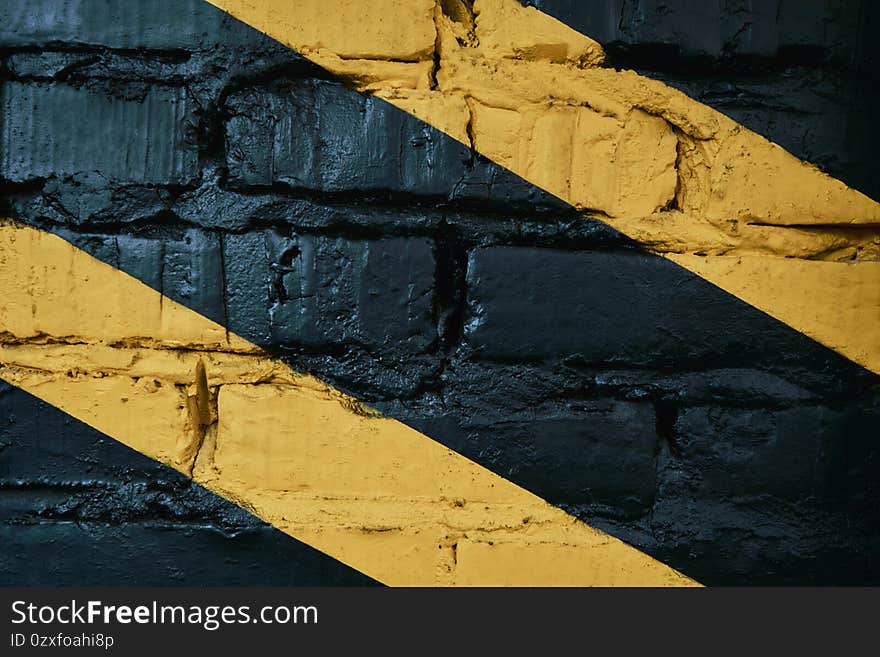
761, 542
124, 24
793, 454
381, 29
57, 130
319, 135
611, 307
714, 28
186, 267
334, 291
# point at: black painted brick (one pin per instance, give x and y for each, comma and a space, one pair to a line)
374, 293
614, 308
318, 135
715, 29
57, 130
142, 258
120, 24
790, 454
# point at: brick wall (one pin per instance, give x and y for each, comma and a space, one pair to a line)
377, 253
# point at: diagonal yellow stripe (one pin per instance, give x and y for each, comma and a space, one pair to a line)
684, 180
367, 490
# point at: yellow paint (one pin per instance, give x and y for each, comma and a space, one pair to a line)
530, 93
314, 463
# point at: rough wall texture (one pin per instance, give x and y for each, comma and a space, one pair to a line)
362, 246
780, 68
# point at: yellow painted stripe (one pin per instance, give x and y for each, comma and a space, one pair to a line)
367, 490
529, 92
